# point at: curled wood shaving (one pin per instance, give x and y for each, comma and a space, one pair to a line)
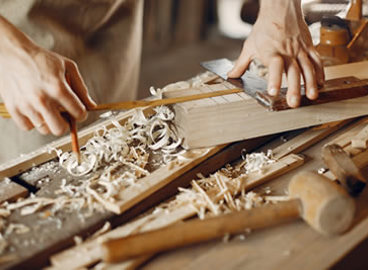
255, 162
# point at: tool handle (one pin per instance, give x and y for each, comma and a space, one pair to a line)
196, 231
344, 168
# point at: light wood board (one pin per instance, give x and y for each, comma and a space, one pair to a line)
238, 117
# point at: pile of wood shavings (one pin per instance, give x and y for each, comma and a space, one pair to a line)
113, 159
223, 192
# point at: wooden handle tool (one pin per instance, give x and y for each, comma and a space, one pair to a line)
344, 168
74, 135
125, 105
323, 204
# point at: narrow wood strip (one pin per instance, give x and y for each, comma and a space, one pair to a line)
156, 180
360, 140
166, 101
306, 139
345, 138
125, 105
274, 170
10, 191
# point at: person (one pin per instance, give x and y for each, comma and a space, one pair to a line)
73, 54
51, 52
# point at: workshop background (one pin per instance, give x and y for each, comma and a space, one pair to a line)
178, 34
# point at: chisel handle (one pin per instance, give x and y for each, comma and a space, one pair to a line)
196, 231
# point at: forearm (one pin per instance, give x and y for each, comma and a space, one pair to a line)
36, 83
12, 36
281, 13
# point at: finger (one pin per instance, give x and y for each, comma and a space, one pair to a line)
275, 70
310, 81
20, 120
67, 99
37, 121
293, 77
241, 65
318, 66
32, 114
43, 129
76, 82
54, 121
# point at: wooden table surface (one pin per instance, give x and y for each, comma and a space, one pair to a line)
290, 246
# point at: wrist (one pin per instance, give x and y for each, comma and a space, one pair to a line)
13, 37
280, 11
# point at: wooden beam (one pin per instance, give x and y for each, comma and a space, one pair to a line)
208, 124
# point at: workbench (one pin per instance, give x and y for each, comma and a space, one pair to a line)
289, 246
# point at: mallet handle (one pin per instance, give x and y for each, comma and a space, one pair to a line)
196, 231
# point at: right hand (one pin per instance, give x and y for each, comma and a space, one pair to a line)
36, 84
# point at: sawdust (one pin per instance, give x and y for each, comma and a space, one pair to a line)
113, 159
222, 192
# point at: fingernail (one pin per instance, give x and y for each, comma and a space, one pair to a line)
293, 101
272, 92
92, 102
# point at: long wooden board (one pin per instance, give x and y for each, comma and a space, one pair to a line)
208, 124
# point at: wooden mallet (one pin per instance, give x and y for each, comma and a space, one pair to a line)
323, 204
344, 168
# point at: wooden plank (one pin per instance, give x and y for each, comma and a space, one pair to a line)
360, 140
345, 138
306, 139
156, 180
227, 98
281, 167
239, 120
39, 156
10, 191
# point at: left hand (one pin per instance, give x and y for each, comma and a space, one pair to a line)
281, 40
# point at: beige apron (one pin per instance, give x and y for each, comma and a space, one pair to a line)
102, 36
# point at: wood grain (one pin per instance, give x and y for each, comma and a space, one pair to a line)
209, 124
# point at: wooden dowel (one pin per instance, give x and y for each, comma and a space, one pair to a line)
196, 231
74, 135
125, 105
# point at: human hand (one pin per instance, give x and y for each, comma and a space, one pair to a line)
36, 84
281, 40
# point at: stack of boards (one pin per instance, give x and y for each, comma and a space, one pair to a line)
236, 117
